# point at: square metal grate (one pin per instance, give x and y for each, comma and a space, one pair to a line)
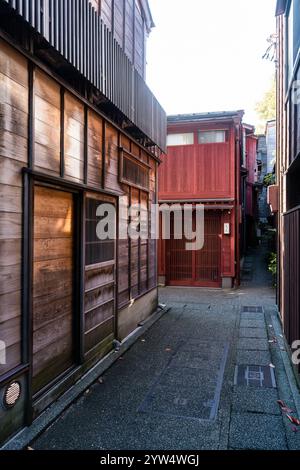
257, 309
255, 376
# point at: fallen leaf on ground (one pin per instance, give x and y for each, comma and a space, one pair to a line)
294, 420
287, 410
284, 407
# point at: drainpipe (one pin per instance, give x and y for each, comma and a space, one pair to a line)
237, 198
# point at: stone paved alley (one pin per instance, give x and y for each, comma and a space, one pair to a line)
186, 392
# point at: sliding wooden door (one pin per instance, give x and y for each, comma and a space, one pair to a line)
53, 273
200, 268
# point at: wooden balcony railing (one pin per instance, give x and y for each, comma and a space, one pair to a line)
75, 30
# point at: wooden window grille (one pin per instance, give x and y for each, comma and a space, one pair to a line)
134, 172
96, 251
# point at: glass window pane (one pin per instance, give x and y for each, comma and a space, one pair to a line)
96, 251
212, 137
180, 139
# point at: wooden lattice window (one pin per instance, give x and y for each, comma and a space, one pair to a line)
96, 251
133, 171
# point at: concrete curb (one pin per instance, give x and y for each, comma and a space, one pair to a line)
28, 434
286, 360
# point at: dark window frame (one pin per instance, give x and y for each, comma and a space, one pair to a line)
225, 131
125, 155
91, 238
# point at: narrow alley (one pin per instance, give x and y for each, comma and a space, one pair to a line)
186, 390
149, 231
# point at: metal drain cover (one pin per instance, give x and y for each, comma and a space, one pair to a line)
257, 309
255, 376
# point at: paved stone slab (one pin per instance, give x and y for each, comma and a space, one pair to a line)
254, 431
248, 323
180, 398
259, 358
200, 321
247, 399
259, 333
252, 316
253, 344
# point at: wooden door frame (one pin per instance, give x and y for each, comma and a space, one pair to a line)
30, 178
30, 181
193, 282
76, 281
101, 197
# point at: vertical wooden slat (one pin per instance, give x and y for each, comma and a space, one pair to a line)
75, 29
62, 132
85, 158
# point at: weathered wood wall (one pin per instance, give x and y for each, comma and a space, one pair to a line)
47, 126
72, 143
74, 138
95, 157
13, 156
93, 54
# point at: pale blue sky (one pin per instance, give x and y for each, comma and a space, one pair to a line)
206, 55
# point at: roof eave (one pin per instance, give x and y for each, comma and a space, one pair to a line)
201, 117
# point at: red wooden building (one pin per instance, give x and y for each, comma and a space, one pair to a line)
250, 188
203, 166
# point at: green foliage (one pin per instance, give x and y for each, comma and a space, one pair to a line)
273, 264
269, 179
266, 108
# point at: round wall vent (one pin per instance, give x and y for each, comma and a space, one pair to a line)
12, 394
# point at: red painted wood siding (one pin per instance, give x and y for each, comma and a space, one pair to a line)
252, 159
203, 171
251, 146
199, 171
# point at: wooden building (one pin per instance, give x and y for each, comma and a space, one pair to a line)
78, 128
285, 196
203, 166
250, 187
